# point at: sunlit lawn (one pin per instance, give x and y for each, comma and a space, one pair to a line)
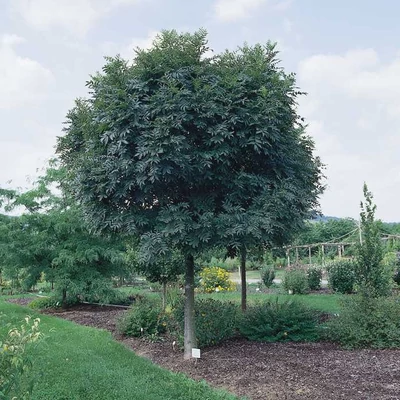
77, 362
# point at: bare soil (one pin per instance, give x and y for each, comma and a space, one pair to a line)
266, 370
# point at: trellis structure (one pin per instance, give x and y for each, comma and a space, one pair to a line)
339, 245
340, 248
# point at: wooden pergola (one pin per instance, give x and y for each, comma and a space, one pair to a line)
340, 248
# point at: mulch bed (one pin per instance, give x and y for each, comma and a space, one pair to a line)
266, 370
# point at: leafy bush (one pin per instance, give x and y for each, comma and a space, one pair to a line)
314, 276
215, 321
14, 363
391, 263
228, 264
267, 275
117, 297
215, 279
272, 321
366, 322
144, 318
44, 302
342, 276
296, 281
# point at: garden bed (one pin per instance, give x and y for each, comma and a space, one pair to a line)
267, 371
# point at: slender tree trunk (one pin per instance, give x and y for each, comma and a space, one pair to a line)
164, 295
189, 333
64, 298
243, 254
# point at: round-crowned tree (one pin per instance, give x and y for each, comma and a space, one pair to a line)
193, 151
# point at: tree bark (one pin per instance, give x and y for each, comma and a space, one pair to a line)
164, 295
243, 254
64, 298
189, 332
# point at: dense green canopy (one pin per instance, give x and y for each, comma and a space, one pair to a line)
197, 151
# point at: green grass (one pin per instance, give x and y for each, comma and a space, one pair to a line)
324, 302
249, 275
77, 362
131, 290
279, 274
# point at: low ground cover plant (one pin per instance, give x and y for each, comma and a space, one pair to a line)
41, 303
274, 321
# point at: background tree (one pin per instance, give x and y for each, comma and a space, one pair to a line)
371, 276
50, 238
326, 231
197, 151
159, 264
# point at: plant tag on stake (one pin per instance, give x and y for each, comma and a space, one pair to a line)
195, 353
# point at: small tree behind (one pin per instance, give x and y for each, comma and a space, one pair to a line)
371, 276
158, 262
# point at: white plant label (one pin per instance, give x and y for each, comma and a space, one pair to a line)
196, 353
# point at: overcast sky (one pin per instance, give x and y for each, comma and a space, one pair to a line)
346, 55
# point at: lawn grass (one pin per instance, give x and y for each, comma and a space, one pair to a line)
323, 302
77, 362
134, 291
249, 275
255, 274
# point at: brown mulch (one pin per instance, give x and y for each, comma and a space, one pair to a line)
22, 301
267, 370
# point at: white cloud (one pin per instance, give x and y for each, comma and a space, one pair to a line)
358, 74
233, 10
354, 111
283, 5
127, 50
287, 25
22, 80
337, 70
75, 16
143, 43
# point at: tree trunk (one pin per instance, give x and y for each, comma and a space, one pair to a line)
243, 254
189, 333
64, 298
164, 295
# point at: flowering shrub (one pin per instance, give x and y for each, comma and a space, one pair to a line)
215, 279
14, 362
